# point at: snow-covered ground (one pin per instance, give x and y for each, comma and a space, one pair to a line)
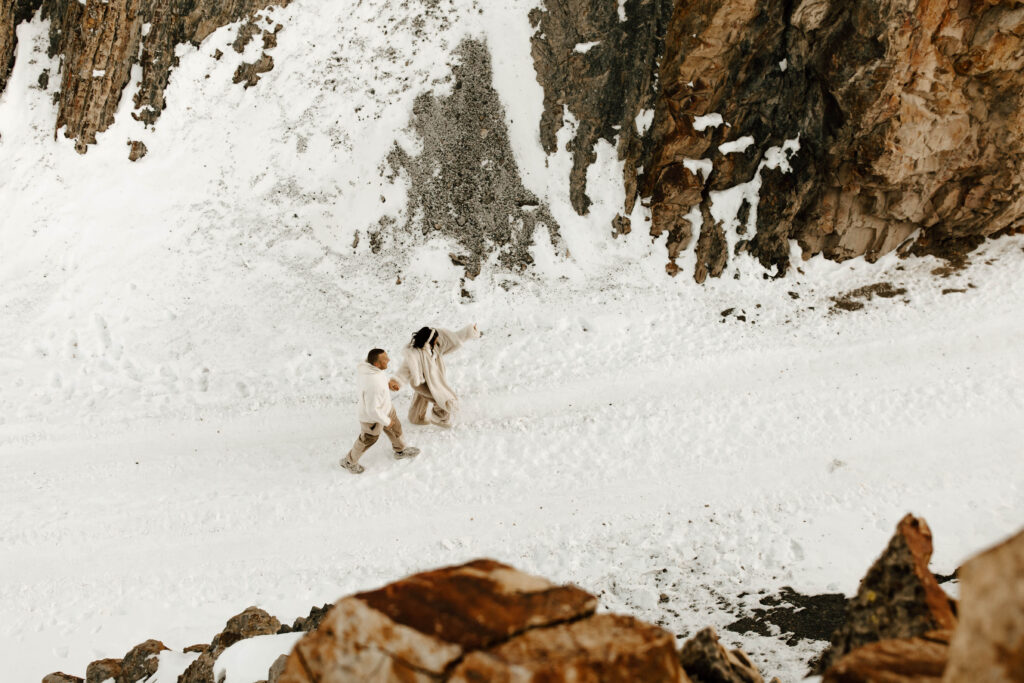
178, 340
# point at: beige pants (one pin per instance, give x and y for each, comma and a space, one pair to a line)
370, 432
422, 401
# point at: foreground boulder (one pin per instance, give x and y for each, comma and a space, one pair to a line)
252, 622
479, 621
59, 677
706, 660
988, 646
141, 661
103, 670
907, 660
898, 598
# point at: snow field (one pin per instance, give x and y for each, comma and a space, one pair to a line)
629, 442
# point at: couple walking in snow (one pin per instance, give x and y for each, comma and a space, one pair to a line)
433, 402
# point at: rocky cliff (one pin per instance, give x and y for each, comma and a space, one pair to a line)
908, 116
851, 128
99, 41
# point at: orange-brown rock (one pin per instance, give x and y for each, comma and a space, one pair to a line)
141, 661
253, 621
898, 598
908, 660
705, 660
59, 677
602, 649
988, 645
98, 43
910, 117
102, 670
418, 628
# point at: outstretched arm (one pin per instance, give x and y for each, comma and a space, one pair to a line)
449, 341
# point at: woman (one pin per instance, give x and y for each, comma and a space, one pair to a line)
423, 369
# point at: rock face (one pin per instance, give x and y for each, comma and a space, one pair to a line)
465, 182
909, 660
988, 645
252, 622
598, 60
909, 116
100, 40
898, 598
479, 621
59, 677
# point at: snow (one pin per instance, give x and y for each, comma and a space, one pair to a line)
622, 10
249, 660
739, 145
644, 120
176, 370
702, 123
584, 48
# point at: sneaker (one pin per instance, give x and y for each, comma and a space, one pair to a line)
409, 452
353, 467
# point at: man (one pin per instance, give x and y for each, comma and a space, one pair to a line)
376, 414
423, 369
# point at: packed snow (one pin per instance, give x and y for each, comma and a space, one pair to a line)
179, 339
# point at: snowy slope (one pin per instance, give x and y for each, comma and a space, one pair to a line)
178, 338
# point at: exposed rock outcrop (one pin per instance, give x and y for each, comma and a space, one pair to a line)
141, 661
59, 677
908, 660
904, 119
480, 621
909, 116
103, 670
898, 598
705, 660
465, 181
988, 645
99, 41
252, 622
598, 60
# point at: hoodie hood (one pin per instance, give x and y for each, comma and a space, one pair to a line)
364, 369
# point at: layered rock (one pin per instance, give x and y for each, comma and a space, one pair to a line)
598, 61
99, 41
909, 117
988, 645
480, 621
898, 598
908, 660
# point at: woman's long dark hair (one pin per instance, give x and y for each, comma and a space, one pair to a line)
421, 337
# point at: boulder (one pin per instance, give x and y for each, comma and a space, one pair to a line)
988, 645
898, 598
141, 661
276, 669
907, 660
705, 660
307, 623
608, 648
103, 670
252, 622
59, 677
416, 628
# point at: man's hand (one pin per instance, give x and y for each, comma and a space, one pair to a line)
391, 424
393, 385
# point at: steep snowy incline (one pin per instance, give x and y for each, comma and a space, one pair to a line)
636, 443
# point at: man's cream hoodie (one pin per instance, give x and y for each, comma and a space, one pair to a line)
374, 395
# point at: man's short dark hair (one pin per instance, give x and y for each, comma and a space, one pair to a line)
373, 355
